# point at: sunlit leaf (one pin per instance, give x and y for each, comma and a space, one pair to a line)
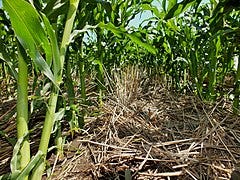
178, 8
138, 41
121, 32
153, 9
171, 4
116, 30
55, 49
25, 22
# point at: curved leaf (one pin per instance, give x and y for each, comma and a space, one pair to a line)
178, 8
55, 49
121, 32
30, 33
138, 41
7, 59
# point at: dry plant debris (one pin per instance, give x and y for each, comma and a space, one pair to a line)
155, 135
150, 134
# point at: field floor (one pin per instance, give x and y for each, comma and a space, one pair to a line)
142, 133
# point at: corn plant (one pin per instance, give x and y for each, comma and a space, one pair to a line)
37, 37
34, 39
192, 45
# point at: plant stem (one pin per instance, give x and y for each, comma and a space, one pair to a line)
46, 133
49, 120
22, 109
82, 80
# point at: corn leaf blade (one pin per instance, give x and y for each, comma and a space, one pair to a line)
26, 22
121, 32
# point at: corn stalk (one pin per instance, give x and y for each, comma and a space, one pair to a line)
49, 120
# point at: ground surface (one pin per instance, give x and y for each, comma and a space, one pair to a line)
143, 133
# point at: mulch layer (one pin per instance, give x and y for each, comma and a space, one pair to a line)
156, 135
145, 134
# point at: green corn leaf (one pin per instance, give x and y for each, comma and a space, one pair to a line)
5, 177
138, 41
164, 6
55, 8
77, 33
121, 32
50, 6
55, 49
172, 25
7, 59
43, 66
153, 9
116, 30
59, 115
30, 33
171, 4
107, 6
99, 63
27, 25
178, 8
57, 118
14, 165
33, 163
12, 141
224, 32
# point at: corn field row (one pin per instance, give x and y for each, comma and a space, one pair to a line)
50, 49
